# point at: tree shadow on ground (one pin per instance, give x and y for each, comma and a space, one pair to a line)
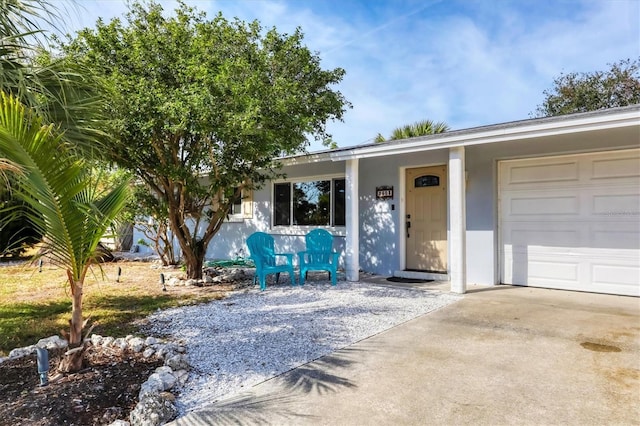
273, 400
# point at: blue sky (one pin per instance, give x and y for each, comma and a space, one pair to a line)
468, 63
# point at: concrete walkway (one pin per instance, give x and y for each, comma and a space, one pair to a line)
502, 355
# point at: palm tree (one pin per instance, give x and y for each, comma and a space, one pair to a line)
61, 91
50, 177
419, 128
63, 199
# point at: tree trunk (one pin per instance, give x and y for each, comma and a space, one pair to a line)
124, 237
74, 358
164, 245
76, 323
193, 248
194, 259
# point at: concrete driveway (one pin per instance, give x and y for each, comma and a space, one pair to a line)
502, 355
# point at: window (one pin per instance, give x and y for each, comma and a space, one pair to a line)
242, 207
282, 193
340, 202
310, 203
428, 180
236, 207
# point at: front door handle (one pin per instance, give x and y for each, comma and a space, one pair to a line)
408, 226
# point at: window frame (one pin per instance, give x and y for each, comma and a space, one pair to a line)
303, 229
246, 207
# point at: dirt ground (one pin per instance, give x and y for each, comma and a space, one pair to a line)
104, 391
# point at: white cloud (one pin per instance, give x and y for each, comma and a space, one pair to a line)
471, 72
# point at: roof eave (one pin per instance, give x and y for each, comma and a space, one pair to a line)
498, 133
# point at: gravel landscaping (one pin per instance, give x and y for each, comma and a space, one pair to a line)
253, 336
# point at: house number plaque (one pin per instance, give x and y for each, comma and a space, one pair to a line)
384, 192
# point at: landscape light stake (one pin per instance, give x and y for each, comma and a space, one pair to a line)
164, 287
43, 365
40, 265
119, 273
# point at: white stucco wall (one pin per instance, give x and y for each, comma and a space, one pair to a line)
231, 239
142, 248
381, 228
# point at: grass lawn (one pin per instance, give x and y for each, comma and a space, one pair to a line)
36, 304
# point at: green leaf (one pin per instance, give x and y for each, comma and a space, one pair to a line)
56, 185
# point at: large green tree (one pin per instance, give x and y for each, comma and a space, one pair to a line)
590, 91
419, 128
201, 106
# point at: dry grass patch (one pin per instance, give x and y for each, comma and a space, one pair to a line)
36, 304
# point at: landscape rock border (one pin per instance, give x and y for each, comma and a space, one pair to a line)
211, 276
155, 401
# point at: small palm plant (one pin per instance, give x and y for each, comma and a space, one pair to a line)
63, 199
420, 128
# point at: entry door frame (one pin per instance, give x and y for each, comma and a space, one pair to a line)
402, 236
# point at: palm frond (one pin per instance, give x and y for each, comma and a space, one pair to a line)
61, 91
57, 186
26, 16
419, 128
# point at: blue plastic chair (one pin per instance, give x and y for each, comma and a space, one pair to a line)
261, 248
319, 255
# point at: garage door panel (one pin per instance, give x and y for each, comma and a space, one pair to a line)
624, 279
610, 275
617, 236
543, 238
621, 167
544, 205
619, 205
578, 232
546, 271
551, 234
552, 205
622, 236
562, 171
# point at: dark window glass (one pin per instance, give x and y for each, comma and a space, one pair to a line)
428, 180
311, 203
236, 207
283, 203
339, 202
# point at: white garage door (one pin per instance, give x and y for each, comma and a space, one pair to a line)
572, 222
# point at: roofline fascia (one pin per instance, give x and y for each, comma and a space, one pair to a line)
305, 159
529, 131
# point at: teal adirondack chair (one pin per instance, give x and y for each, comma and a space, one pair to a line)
261, 248
319, 255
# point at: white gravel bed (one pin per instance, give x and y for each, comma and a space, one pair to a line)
253, 336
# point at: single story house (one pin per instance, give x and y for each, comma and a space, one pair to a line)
549, 202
